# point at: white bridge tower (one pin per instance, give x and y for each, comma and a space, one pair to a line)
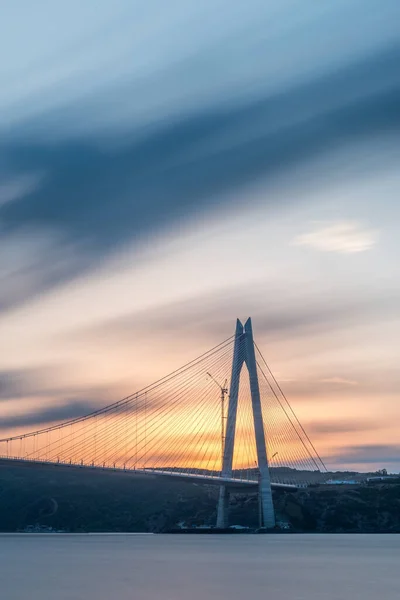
244, 353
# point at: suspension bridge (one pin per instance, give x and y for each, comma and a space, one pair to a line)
221, 419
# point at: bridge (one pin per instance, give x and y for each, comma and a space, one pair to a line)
211, 421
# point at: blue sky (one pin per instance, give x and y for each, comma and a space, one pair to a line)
167, 167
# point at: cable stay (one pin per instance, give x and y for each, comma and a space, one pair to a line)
179, 426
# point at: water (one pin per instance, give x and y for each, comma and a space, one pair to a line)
194, 567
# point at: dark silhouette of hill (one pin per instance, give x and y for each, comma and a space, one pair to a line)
83, 500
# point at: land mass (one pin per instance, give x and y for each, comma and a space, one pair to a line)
79, 500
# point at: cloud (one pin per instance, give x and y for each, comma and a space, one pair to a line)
382, 384
339, 381
46, 382
382, 454
342, 237
16, 187
15, 383
44, 416
280, 316
345, 426
34, 259
102, 197
60, 401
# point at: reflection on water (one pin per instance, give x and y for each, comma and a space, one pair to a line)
174, 567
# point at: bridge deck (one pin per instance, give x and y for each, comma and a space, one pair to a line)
191, 477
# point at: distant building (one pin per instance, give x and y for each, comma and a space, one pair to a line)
342, 482
382, 477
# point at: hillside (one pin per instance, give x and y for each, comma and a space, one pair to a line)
79, 500
83, 500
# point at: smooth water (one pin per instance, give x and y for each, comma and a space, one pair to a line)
199, 567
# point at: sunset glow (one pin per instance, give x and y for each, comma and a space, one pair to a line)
164, 175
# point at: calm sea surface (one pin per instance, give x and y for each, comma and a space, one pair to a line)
194, 567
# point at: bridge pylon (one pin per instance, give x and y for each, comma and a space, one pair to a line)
244, 353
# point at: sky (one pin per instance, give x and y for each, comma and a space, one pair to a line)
168, 167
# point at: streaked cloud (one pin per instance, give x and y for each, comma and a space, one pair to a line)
339, 381
182, 167
373, 454
343, 237
342, 426
304, 314
13, 188
70, 409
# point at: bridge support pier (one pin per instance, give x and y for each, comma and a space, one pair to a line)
244, 353
223, 508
